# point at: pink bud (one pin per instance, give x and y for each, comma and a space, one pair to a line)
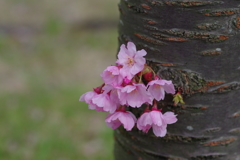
148, 76
126, 80
98, 90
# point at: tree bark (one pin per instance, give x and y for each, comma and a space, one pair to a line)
196, 44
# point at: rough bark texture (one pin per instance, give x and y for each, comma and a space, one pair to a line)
197, 45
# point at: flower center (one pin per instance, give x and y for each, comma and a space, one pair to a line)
130, 61
110, 74
158, 86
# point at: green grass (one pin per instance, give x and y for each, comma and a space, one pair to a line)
43, 73
52, 124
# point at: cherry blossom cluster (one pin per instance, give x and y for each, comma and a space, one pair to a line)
132, 83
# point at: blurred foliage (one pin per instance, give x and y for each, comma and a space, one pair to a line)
47, 60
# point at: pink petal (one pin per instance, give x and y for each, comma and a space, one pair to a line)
157, 92
100, 100
112, 120
112, 117
99, 109
145, 119
169, 117
114, 124
125, 73
160, 131
156, 117
140, 61
157, 81
169, 88
127, 120
113, 69
138, 96
104, 101
114, 96
131, 49
122, 55
145, 95
141, 53
128, 88
136, 68
111, 75
92, 106
133, 99
107, 88
87, 97
144, 123
82, 97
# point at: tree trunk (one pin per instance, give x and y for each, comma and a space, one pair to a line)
196, 45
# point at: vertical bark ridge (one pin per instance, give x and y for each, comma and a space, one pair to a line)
194, 43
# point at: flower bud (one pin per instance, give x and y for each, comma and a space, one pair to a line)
148, 76
98, 90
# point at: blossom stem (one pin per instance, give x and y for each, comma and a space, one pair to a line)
147, 109
122, 108
154, 104
140, 78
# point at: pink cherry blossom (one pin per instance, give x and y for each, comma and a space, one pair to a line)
157, 121
113, 93
123, 86
134, 95
125, 118
157, 87
131, 59
111, 75
87, 97
105, 102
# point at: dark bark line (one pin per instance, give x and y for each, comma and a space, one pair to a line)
196, 45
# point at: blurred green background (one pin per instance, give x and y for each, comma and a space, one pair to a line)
51, 52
